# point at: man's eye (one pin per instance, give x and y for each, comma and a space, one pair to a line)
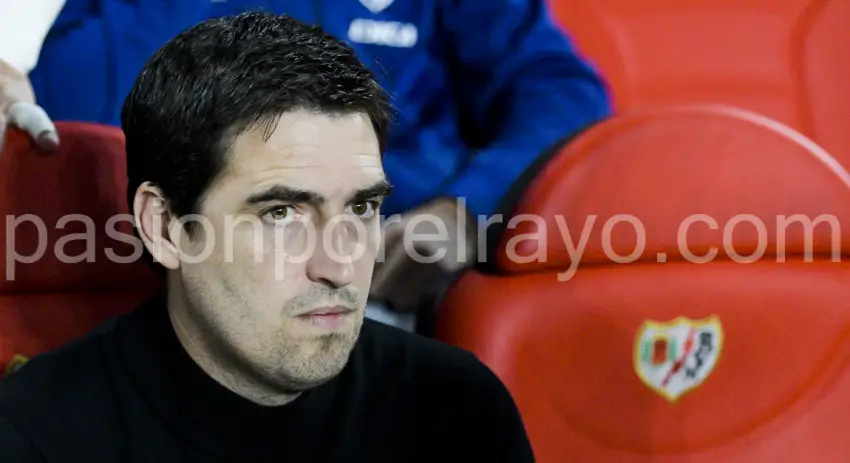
279, 213
364, 208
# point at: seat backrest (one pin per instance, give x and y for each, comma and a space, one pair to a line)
70, 258
662, 296
785, 58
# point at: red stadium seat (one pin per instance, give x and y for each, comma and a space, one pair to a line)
786, 59
63, 231
652, 356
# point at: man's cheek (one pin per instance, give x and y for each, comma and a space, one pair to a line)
374, 240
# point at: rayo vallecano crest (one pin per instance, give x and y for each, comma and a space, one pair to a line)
675, 357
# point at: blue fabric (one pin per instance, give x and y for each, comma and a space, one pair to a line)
500, 66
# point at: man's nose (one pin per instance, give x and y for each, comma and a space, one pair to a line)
332, 263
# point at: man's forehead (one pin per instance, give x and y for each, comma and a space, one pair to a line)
309, 151
315, 184
310, 139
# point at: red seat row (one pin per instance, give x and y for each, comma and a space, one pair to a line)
682, 296
675, 291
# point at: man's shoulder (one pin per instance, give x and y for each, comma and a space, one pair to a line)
448, 391
409, 356
57, 401
52, 379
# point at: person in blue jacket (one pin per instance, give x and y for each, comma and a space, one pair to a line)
481, 89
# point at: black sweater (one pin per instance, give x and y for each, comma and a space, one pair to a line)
128, 392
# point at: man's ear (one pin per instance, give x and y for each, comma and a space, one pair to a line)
153, 219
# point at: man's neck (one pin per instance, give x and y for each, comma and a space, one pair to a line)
215, 362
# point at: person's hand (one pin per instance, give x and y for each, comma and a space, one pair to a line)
425, 244
18, 109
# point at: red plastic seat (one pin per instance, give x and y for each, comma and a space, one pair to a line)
64, 240
786, 59
650, 356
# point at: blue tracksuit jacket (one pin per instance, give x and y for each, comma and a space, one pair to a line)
501, 66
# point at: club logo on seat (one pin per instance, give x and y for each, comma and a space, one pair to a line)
675, 357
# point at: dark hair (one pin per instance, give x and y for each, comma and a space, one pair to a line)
224, 76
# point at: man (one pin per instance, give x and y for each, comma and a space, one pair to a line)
254, 151
481, 89
23, 26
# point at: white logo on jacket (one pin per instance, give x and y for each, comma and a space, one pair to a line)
376, 6
387, 33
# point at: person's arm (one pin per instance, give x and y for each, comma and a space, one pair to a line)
94, 53
15, 447
522, 80
23, 26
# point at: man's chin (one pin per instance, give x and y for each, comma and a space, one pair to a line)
324, 363
321, 344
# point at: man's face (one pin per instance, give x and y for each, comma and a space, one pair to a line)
293, 232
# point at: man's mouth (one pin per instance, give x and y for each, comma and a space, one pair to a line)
328, 311
331, 317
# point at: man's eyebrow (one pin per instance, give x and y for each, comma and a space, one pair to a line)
284, 194
378, 190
